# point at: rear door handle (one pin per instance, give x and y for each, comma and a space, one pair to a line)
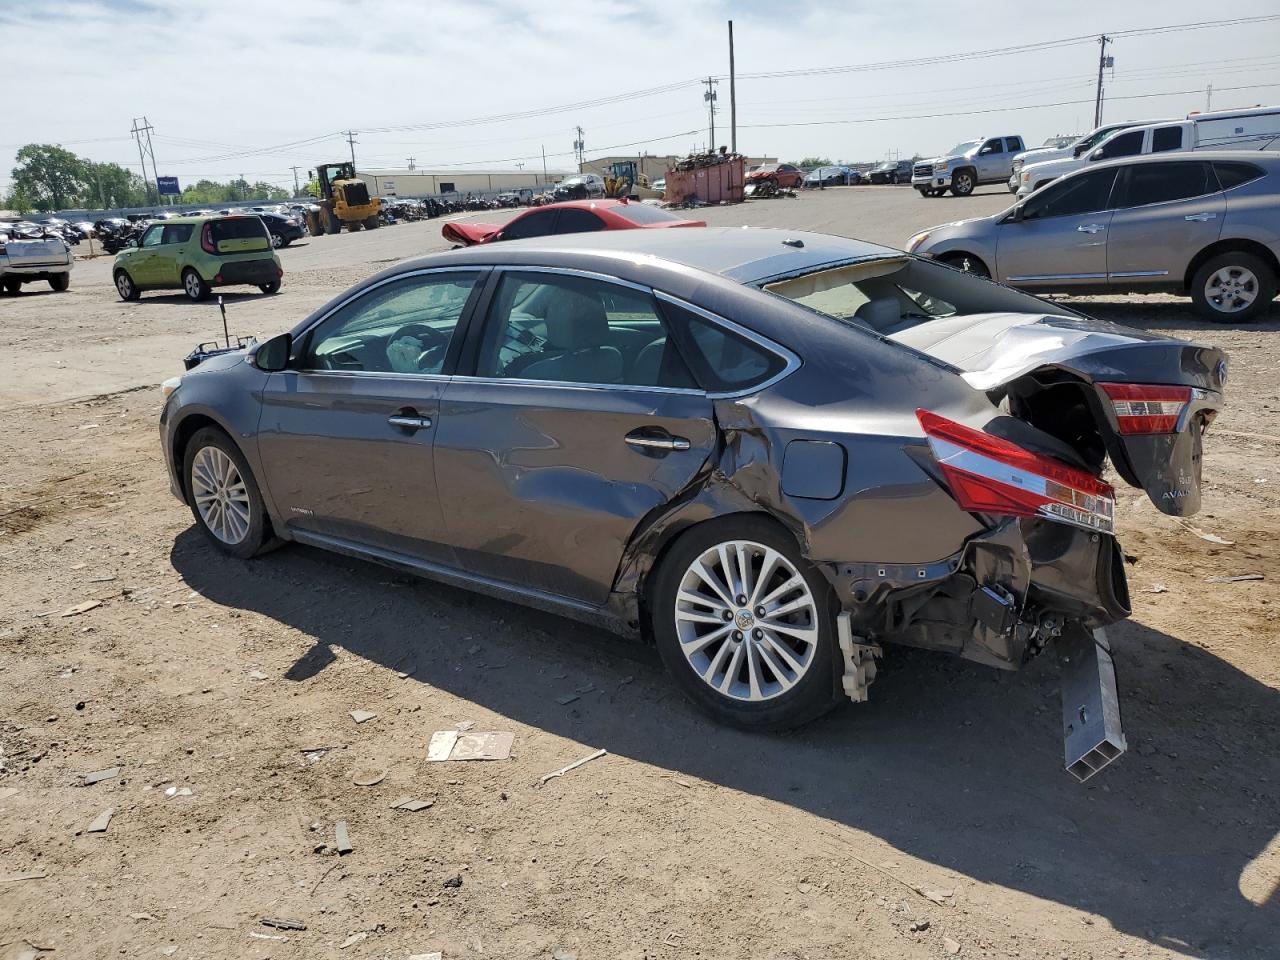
1090, 228
409, 423
649, 442
1201, 217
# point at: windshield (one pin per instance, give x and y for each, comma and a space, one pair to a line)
644, 213
960, 148
889, 295
888, 165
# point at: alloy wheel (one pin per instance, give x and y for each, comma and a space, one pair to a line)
746, 621
1231, 289
220, 495
191, 283
124, 286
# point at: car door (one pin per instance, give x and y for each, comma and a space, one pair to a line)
990, 161
143, 263
1012, 147
1166, 213
569, 431
346, 432
1057, 237
168, 257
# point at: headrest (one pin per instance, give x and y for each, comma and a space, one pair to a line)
576, 321
880, 313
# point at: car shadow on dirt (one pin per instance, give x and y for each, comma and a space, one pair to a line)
955, 764
156, 297
1162, 315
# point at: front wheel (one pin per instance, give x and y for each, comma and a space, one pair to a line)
277, 241
125, 286
745, 625
224, 496
962, 183
1233, 287
194, 285
371, 223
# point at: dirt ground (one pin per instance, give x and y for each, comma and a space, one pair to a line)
934, 819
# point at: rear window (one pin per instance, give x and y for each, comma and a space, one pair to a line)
238, 228
1232, 173
644, 213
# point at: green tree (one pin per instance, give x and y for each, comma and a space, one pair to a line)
50, 177
111, 185
808, 163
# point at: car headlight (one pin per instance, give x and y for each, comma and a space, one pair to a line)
942, 165
170, 385
916, 240
1026, 177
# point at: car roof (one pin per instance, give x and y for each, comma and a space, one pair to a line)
745, 255
1264, 157
584, 204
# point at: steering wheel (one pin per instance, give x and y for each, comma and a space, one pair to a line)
428, 337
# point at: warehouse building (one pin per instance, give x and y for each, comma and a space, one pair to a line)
649, 165
449, 183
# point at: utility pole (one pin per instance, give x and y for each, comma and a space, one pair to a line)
411, 165
1103, 62
579, 149
351, 140
297, 191
544, 163
710, 97
138, 132
1208, 97
733, 98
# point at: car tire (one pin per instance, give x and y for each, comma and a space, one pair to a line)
125, 287
277, 241
60, 282
12, 285
272, 287
1233, 287
795, 680
966, 263
224, 496
962, 183
371, 223
354, 226
194, 285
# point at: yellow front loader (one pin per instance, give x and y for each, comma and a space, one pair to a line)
344, 201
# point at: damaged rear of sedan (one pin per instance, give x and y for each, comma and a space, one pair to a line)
771, 454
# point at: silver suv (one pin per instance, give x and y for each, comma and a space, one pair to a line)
1205, 225
966, 166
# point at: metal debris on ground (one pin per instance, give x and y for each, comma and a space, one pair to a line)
177, 792
80, 608
368, 778
29, 875
454, 745
268, 936
571, 766
360, 716
108, 774
441, 745
1239, 578
342, 840
412, 805
100, 822
281, 923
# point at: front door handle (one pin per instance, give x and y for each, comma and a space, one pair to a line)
409, 423
645, 441
1201, 217
1090, 228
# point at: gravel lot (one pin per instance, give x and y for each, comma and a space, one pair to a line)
935, 818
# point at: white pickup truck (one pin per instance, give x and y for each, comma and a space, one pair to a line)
1254, 129
26, 261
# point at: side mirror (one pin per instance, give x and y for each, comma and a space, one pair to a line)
1014, 215
133, 243
272, 355
1079, 150
1097, 154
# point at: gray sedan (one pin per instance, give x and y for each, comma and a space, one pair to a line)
767, 453
1201, 224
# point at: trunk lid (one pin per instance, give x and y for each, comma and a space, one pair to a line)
1149, 396
36, 253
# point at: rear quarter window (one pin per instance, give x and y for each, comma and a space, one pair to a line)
722, 361
1233, 173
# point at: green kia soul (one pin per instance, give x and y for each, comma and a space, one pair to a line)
196, 254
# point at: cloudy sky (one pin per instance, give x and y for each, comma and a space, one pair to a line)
254, 87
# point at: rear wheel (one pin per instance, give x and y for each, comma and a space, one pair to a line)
966, 262
962, 183
272, 287
60, 281
371, 223
277, 241
224, 496
125, 286
353, 226
1233, 287
194, 285
746, 625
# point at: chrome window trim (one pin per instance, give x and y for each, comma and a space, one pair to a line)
1140, 273
369, 374
1061, 276
426, 271
791, 363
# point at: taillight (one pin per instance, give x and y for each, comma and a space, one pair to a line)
1144, 408
206, 239
987, 474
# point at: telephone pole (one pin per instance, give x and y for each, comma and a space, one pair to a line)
579, 149
1103, 62
138, 132
351, 140
544, 163
710, 97
297, 191
733, 98
1208, 97
411, 165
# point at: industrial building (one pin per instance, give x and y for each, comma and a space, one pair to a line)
649, 165
448, 183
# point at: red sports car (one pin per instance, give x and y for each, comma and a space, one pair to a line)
573, 216
786, 175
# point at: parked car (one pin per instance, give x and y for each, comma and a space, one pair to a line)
782, 176
767, 452
966, 166
1256, 129
195, 254
583, 186
1074, 149
834, 176
1205, 225
30, 260
284, 228
660, 185
891, 171
574, 216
